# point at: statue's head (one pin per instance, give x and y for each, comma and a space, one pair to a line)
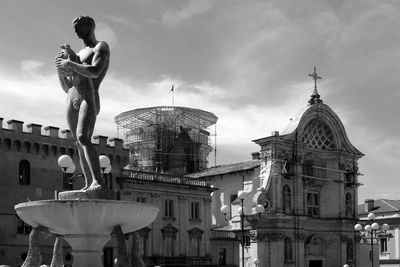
84, 26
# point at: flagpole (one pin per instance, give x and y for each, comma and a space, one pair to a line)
173, 95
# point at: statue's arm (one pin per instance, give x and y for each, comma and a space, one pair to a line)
99, 62
65, 83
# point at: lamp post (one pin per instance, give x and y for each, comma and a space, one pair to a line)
259, 209
67, 165
105, 166
372, 232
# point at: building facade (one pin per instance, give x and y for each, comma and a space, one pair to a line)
180, 235
228, 179
387, 244
29, 171
307, 182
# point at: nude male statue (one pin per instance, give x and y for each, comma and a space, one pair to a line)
81, 78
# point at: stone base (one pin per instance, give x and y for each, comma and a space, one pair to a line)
86, 195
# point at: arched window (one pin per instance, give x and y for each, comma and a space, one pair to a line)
287, 199
54, 151
111, 159
318, 135
288, 249
36, 148
46, 150
24, 177
7, 143
27, 147
349, 205
17, 145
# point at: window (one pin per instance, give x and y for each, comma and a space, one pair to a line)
222, 256
383, 245
169, 236
194, 247
288, 249
22, 227
141, 241
169, 208
349, 251
195, 241
349, 205
141, 199
24, 176
312, 204
233, 197
287, 200
194, 210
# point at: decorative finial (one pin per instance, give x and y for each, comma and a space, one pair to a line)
315, 96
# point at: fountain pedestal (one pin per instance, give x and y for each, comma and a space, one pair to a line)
87, 249
87, 224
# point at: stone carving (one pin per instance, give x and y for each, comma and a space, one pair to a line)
33, 258
316, 246
81, 78
57, 260
257, 236
122, 258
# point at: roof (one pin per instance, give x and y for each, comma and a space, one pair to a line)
186, 117
226, 168
382, 206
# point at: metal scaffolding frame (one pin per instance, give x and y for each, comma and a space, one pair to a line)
160, 136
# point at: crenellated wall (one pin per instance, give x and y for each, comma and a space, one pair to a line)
40, 147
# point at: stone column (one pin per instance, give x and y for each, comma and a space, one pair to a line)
207, 226
182, 215
156, 235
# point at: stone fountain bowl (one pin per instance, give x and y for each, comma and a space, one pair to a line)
66, 217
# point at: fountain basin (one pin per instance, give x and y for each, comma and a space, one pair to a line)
87, 224
86, 216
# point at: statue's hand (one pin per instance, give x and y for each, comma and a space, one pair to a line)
62, 64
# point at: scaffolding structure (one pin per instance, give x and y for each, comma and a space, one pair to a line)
167, 139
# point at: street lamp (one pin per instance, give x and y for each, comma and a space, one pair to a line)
372, 232
67, 165
242, 212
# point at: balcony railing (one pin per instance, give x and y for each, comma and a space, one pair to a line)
160, 177
217, 234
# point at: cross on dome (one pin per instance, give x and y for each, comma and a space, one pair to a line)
315, 97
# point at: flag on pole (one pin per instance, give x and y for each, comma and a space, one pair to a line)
172, 88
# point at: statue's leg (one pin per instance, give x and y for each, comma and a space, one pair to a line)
72, 120
85, 127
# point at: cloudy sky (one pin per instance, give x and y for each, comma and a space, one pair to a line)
245, 61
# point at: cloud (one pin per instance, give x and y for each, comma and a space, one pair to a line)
172, 18
105, 33
31, 65
118, 19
